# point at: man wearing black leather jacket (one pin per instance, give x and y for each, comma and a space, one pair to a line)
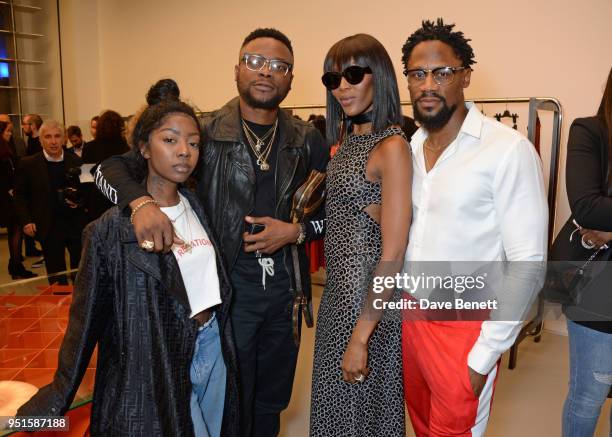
254, 158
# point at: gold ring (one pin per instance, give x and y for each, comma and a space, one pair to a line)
147, 244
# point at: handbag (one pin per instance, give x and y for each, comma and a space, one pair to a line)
307, 199
565, 280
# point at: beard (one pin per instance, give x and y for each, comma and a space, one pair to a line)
436, 121
270, 103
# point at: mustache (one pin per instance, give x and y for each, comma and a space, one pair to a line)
427, 94
263, 82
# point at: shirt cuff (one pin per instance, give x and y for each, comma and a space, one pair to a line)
482, 358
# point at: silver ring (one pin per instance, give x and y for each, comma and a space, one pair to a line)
147, 244
587, 244
360, 378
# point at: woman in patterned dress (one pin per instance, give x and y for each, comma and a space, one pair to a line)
357, 379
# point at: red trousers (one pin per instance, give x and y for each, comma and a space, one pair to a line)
437, 387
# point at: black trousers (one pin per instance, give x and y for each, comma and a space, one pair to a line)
61, 236
267, 354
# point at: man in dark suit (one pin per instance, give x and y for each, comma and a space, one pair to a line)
45, 207
75, 136
30, 125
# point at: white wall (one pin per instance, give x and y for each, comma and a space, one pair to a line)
79, 35
118, 48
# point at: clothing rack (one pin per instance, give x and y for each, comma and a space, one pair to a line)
534, 327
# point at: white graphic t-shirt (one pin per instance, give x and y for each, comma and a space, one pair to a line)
196, 258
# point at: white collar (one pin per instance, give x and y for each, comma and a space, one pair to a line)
50, 159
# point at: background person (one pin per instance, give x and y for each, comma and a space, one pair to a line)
109, 141
45, 208
8, 215
75, 137
30, 125
589, 322
93, 126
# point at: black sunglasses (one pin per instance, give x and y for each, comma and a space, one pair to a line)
353, 75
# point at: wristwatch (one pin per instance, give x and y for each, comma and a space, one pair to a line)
302, 235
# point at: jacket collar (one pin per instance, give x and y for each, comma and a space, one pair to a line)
161, 266
227, 125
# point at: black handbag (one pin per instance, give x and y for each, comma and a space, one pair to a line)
570, 268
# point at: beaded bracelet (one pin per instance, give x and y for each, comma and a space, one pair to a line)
140, 205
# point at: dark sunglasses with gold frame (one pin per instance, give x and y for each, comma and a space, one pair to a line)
353, 74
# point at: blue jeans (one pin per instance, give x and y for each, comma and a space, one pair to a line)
590, 379
208, 376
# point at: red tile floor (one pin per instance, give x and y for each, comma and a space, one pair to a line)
33, 319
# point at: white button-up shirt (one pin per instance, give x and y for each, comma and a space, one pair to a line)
484, 200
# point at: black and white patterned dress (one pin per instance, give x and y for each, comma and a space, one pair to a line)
374, 408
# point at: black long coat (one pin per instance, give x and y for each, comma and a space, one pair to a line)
134, 306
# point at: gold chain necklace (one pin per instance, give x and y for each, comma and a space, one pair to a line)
427, 147
186, 246
256, 144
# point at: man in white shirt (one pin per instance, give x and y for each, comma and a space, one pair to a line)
478, 196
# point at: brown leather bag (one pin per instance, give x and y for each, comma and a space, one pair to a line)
306, 201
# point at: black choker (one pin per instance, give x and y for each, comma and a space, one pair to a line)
363, 118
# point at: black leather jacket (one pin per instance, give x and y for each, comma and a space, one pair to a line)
226, 178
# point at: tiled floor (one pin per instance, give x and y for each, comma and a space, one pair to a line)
33, 319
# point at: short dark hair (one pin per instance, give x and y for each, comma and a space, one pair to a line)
439, 31
74, 130
110, 126
95, 118
36, 119
366, 51
268, 32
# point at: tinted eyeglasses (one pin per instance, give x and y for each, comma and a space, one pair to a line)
441, 75
258, 62
353, 75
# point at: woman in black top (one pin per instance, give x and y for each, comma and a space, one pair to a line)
589, 190
109, 141
7, 209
